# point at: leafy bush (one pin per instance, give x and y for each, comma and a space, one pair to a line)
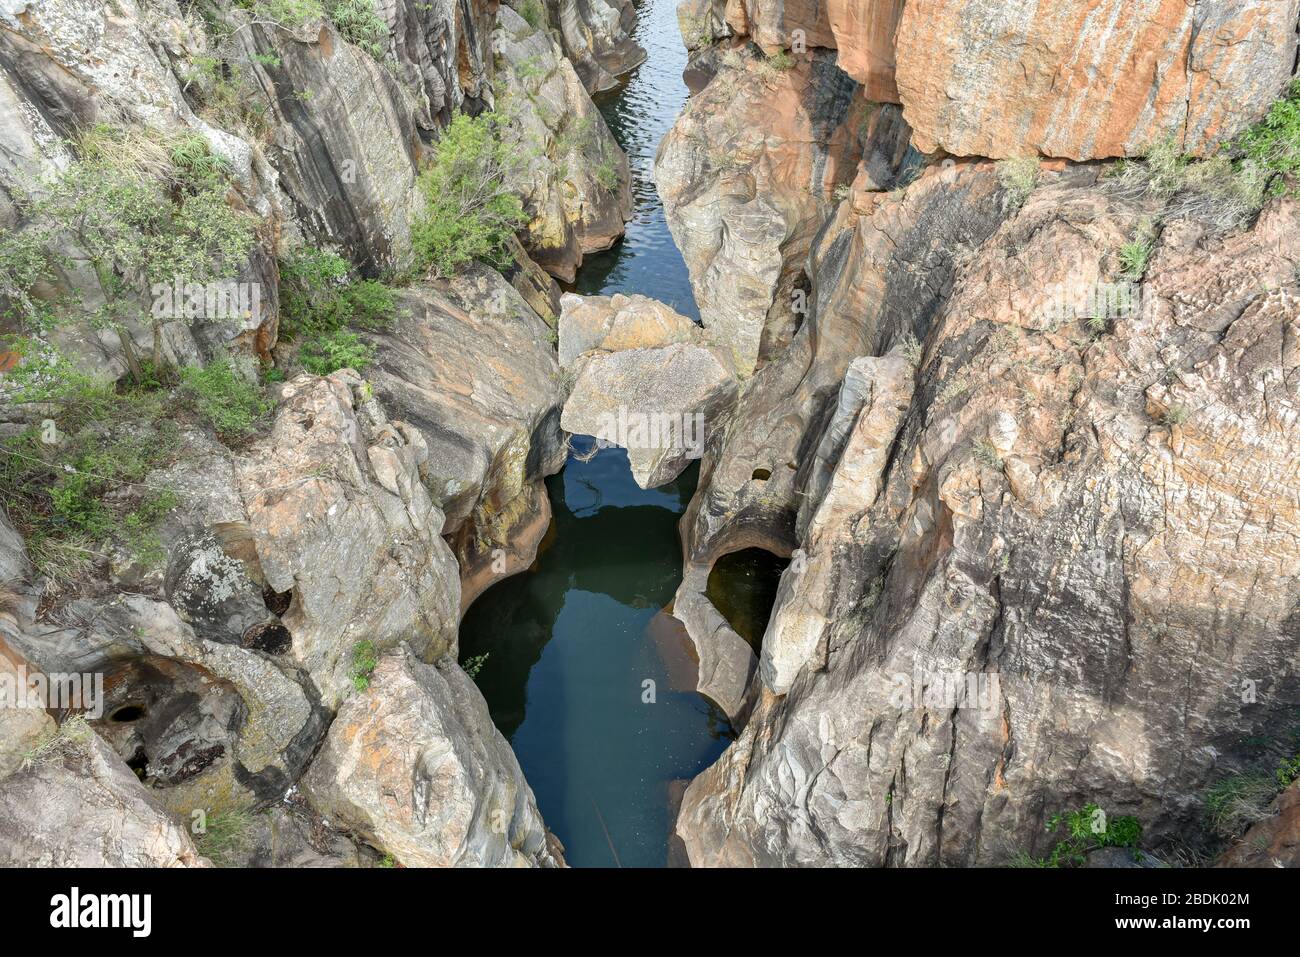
1273, 145
470, 214
319, 302
360, 24
1085, 830
137, 208
229, 402
533, 12
79, 479
335, 349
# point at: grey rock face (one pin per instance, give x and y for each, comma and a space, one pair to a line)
76, 804
342, 520
1023, 619
415, 765
597, 38
575, 184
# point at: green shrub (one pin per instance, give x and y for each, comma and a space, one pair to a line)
1273, 145
533, 12
1085, 830
230, 403
335, 349
360, 24
1134, 257
79, 479
473, 665
470, 214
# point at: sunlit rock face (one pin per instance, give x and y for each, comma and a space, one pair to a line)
1056, 590
1088, 81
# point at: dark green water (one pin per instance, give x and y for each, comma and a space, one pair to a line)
586, 675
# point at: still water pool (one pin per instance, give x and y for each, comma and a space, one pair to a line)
586, 675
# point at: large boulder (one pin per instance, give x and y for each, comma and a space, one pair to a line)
647, 379
342, 521
415, 766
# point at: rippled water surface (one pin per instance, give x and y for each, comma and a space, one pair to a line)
586, 674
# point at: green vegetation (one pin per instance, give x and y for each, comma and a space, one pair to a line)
1234, 803
223, 836
138, 209
1019, 177
1134, 257
1230, 187
987, 454
321, 305
1085, 830
76, 482
1175, 415
364, 661
534, 12
470, 213
472, 666
230, 403
74, 732
360, 24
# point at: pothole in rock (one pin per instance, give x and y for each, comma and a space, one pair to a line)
271, 637
742, 586
169, 720
277, 602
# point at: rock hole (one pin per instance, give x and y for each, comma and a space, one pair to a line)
139, 763
761, 475
127, 713
277, 602
272, 637
742, 586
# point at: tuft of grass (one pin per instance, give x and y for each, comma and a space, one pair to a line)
364, 661
230, 403
1238, 801
987, 454
225, 835
1018, 177
1175, 415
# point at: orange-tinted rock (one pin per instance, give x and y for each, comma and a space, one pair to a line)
1089, 80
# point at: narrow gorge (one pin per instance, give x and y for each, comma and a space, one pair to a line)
628, 433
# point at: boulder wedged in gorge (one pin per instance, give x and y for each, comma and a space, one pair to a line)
473, 371
597, 37
1083, 545
574, 180
415, 766
645, 378
747, 175
1089, 81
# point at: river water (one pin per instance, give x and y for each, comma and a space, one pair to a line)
586, 675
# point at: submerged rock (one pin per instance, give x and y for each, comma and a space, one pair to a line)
415, 765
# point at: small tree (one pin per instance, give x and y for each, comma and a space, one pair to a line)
470, 214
